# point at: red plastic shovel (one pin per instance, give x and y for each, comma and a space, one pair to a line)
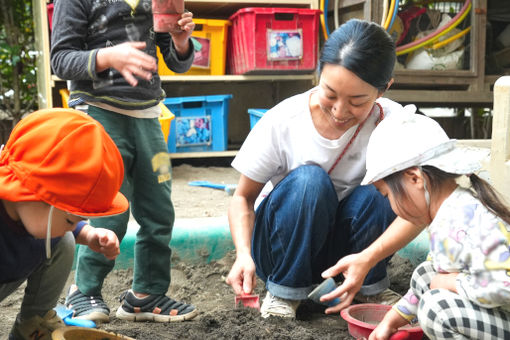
248, 300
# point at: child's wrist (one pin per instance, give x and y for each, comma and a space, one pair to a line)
79, 226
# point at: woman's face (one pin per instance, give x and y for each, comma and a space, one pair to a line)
344, 98
412, 208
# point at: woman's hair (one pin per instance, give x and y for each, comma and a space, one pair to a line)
436, 178
363, 48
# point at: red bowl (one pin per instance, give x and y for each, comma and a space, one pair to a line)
363, 318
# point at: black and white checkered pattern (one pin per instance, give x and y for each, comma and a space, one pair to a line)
443, 314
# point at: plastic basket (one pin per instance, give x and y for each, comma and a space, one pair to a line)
255, 115
272, 40
49, 9
64, 94
165, 119
210, 41
201, 123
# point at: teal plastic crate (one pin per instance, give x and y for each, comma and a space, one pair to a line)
200, 124
255, 115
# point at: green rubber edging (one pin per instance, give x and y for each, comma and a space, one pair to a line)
194, 240
202, 240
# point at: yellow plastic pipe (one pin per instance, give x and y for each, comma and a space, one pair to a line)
390, 13
434, 38
450, 39
323, 23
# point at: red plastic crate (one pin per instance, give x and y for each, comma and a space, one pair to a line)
49, 8
272, 40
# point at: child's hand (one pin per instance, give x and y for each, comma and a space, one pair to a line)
383, 331
389, 325
129, 59
181, 37
103, 241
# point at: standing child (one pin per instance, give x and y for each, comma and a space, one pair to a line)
58, 168
108, 51
463, 290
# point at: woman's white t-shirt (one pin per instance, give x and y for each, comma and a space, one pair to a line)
285, 138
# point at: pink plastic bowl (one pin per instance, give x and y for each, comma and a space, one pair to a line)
363, 318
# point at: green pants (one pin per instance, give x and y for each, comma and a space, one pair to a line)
147, 186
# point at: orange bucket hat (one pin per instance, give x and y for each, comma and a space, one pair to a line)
64, 158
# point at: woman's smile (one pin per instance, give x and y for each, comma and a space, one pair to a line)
338, 122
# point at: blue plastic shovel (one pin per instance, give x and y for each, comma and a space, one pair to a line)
67, 316
228, 188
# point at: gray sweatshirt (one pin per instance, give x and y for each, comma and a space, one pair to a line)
81, 27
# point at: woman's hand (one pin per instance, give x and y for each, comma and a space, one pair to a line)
100, 240
354, 269
129, 59
242, 275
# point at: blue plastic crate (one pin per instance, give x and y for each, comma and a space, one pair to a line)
200, 124
255, 115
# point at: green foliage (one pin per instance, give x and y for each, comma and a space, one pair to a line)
18, 87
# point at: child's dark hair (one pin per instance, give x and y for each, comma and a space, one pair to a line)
436, 177
364, 48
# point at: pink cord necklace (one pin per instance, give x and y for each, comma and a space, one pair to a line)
360, 126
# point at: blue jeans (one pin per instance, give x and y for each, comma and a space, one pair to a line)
301, 229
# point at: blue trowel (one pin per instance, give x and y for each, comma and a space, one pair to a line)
67, 316
228, 188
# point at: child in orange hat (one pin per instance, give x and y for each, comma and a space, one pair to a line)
58, 168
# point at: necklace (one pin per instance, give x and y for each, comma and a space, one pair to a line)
360, 126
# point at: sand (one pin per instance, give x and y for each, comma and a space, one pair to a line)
204, 284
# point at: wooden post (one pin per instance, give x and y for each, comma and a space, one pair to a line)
42, 45
500, 147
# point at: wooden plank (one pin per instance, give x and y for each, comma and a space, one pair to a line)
349, 3
42, 45
237, 78
478, 34
500, 150
223, 9
227, 78
209, 154
475, 143
441, 98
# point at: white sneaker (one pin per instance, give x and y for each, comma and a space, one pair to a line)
36, 327
273, 305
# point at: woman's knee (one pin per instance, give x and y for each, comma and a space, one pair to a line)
310, 175
365, 200
308, 182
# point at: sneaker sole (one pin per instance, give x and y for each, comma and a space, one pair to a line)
266, 314
123, 315
97, 317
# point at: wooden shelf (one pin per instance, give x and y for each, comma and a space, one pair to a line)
210, 154
212, 9
243, 78
228, 78
248, 90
